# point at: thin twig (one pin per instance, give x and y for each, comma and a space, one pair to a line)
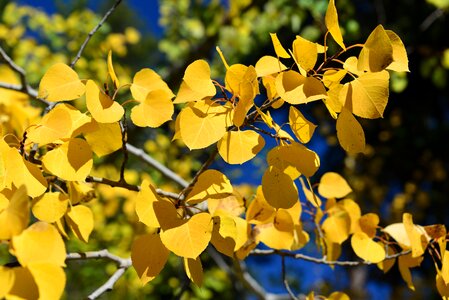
285, 281
93, 31
124, 131
108, 285
435, 15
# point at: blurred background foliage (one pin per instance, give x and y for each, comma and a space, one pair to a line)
405, 167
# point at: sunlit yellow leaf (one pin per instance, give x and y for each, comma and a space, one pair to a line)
417, 239
224, 234
196, 83
6, 280
279, 234
233, 204
305, 53
50, 280
442, 287
194, 270
14, 217
237, 147
80, 192
259, 211
106, 139
331, 21
295, 88
268, 65
278, 188
304, 160
387, 264
60, 83
24, 286
54, 125
377, 52
400, 59
398, 233
111, 71
368, 224
81, 122
81, 220
301, 127
280, 51
210, 184
71, 161
445, 266
156, 109
50, 207
332, 185
145, 81
333, 77
148, 256
405, 263
350, 133
144, 204
300, 238
39, 243
337, 225
338, 295
190, 237
366, 248
102, 108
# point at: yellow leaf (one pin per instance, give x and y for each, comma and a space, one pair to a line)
39, 243
102, 108
387, 264
224, 234
242, 82
337, 225
80, 192
445, 266
106, 139
377, 52
400, 59
279, 189
111, 71
233, 204
332, 185
14, 217
194, 270
368, 224
366, 248
295, 88
417, 238
145, 81
210, 184
350, 133
237, 147
405, 263
442, 287
190, 237
267, 65
54, 125
60, 83
50, 280
300, 238
332, 78
81, 220
25, 286
6, 280
155, 110
202, 124
71, 161
301, 127
338, 295
304, 160
148, 256
280, 51
50, 207
305, 54
279, 234
331, 21
398, 233
144, 204
80, 121
196, 84
259, 211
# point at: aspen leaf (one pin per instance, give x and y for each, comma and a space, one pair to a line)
332, 78
80, 192
144, 204
366, 248
194, 270
81, 221
39, 243
305, 54
398, 233
406, 262
302, 128
237, 147
278, 48
6, 280
400, 59
279, 234
332, 185
201, 127
354, 212
332, 102
417, 239
442, 287
210, 184
166, 214
337, 225
377, 52
145, 81
190, 237
242, 81
50, 207
54, 125
102, 108
278, 188
71, 161
338, 295
50, 280
24, 286
196, 83
295, 88
15, 215
106, 139
81, 123
259, 211
148, 256
243, 232
300, 238
445, 267
368, 224
233, 204
277, 159
304, 160
333, 250
387, 264
60, 83
350, 133
331, 21
224, 234
350, 65
367, 95
267, 65
156, 109
111, 71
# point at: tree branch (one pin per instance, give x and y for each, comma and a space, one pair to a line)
93, 31
285, 281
